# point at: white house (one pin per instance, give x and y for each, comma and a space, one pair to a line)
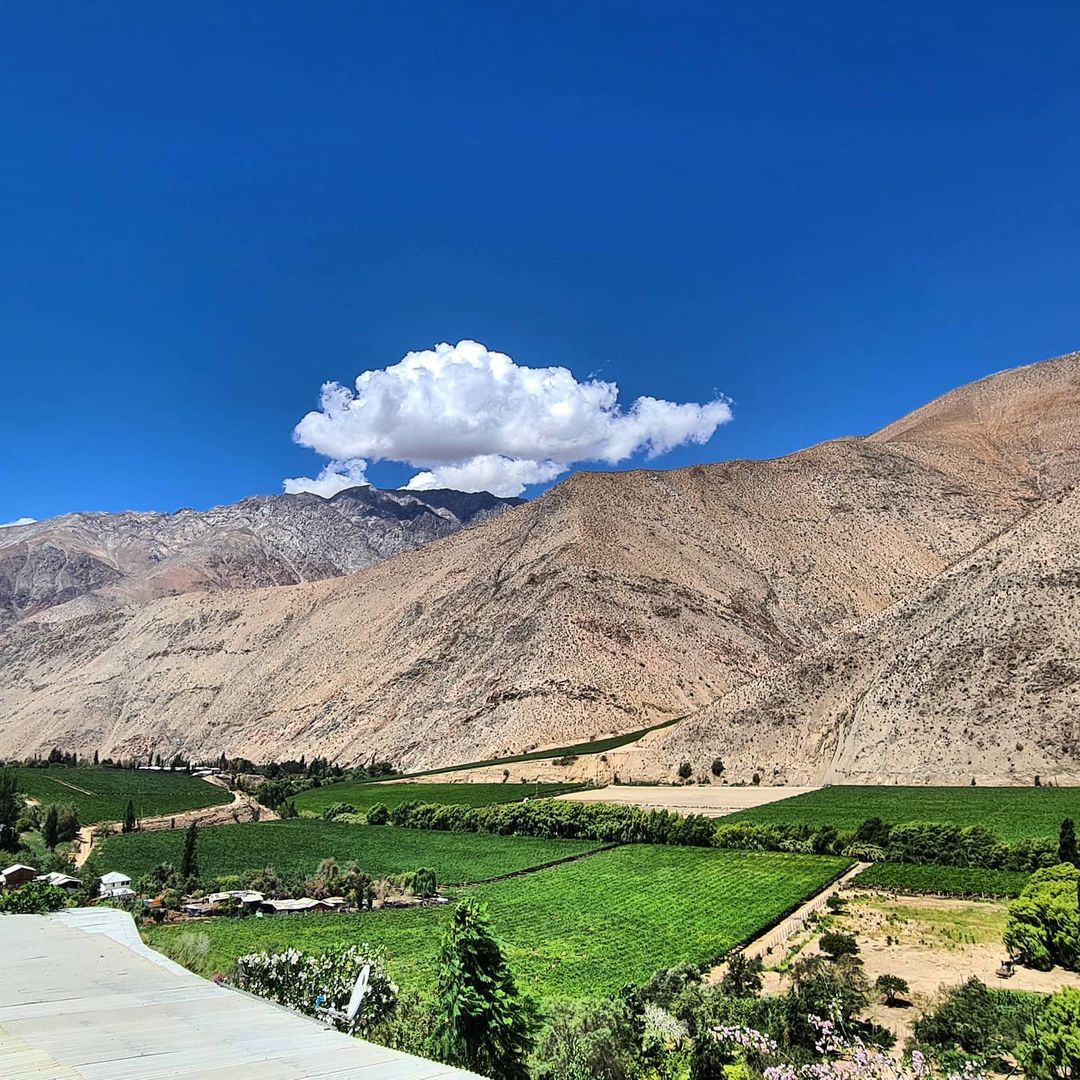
61, 881
114, 884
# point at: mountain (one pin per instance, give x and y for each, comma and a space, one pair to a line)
109, 559
613, 601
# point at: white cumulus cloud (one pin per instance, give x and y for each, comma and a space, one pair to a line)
332, 478
17, 521
472, 419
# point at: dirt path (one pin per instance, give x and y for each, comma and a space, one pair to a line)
796, 921
712, 800
243, 807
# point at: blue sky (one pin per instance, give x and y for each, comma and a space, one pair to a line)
828, 212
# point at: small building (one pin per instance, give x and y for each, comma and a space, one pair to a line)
60, 881
305, 905
114, 884
16, 874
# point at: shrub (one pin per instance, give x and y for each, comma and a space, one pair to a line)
891, 988
742, 977
972, 1019
1043, 927
33, 898
308, 982
423, 882
378, 814
835, 944
685, 771
1051, 1046
717, 768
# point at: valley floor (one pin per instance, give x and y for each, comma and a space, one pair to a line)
712, 800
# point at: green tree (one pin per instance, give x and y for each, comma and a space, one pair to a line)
424, 882
489, 1027
891, 988
718, 767
129, 823
1043, 928
67, 824
378, 814
708, 1058
742, 978
1067, 852
966, 1018
686, 770
9, 812
1051, 1046
835, 944
50, 827
188, 866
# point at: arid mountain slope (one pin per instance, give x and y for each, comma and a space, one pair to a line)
976, 676
613, 601
107, 559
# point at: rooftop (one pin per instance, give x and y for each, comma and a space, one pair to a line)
82, 996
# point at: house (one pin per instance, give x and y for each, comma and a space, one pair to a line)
16, 874
306, 905
60, 881
114, 884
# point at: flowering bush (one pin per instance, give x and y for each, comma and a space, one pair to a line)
312, 983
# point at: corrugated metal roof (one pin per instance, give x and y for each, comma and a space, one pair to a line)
82, 996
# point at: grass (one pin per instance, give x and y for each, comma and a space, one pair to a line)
911, 923
1010, 812
580, 930
943, 880
363, 794
102, 794
297, 846
596, 746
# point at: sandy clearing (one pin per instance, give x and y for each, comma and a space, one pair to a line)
712, 801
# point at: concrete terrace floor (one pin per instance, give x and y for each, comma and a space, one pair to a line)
82, 996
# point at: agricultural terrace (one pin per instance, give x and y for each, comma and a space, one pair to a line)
942, 880
363, 794
102, 794
581, 930
1010, 812
593, 746
296, 846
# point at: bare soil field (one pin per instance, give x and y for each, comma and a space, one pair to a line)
712, 800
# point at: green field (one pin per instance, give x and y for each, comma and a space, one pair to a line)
364, 795
596, 746
1010, 812
102, 794
298, 846
942, 880
580, 930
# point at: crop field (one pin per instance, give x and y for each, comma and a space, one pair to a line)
102, 794
580, 930
942, 880
298, 846
1010, 812
363, 794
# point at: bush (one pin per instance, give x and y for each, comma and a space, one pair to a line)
717, 767
835, 944
1043, 927
309, 982
33, 898
378, 814
891, 988
685, 771
1051, 1046
423, 882
972, 1019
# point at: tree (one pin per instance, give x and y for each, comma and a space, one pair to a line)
835, 944
708, 1058
1051, 1046
9, 812
424, 882
188, 866
67, 824
50, 827
891, 988
686, 770
1067, 852
96, 761
489, 1028
967, 1018
1043, 928
718, 767
129, 818
378, 814
742, 978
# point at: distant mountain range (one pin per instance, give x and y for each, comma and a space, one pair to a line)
900, 606
107, 559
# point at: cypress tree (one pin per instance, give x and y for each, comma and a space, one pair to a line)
50, 828
188, 866
129, 818
9, 812
489, 1028
1067, 852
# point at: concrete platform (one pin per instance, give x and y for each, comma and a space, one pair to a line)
82, 996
